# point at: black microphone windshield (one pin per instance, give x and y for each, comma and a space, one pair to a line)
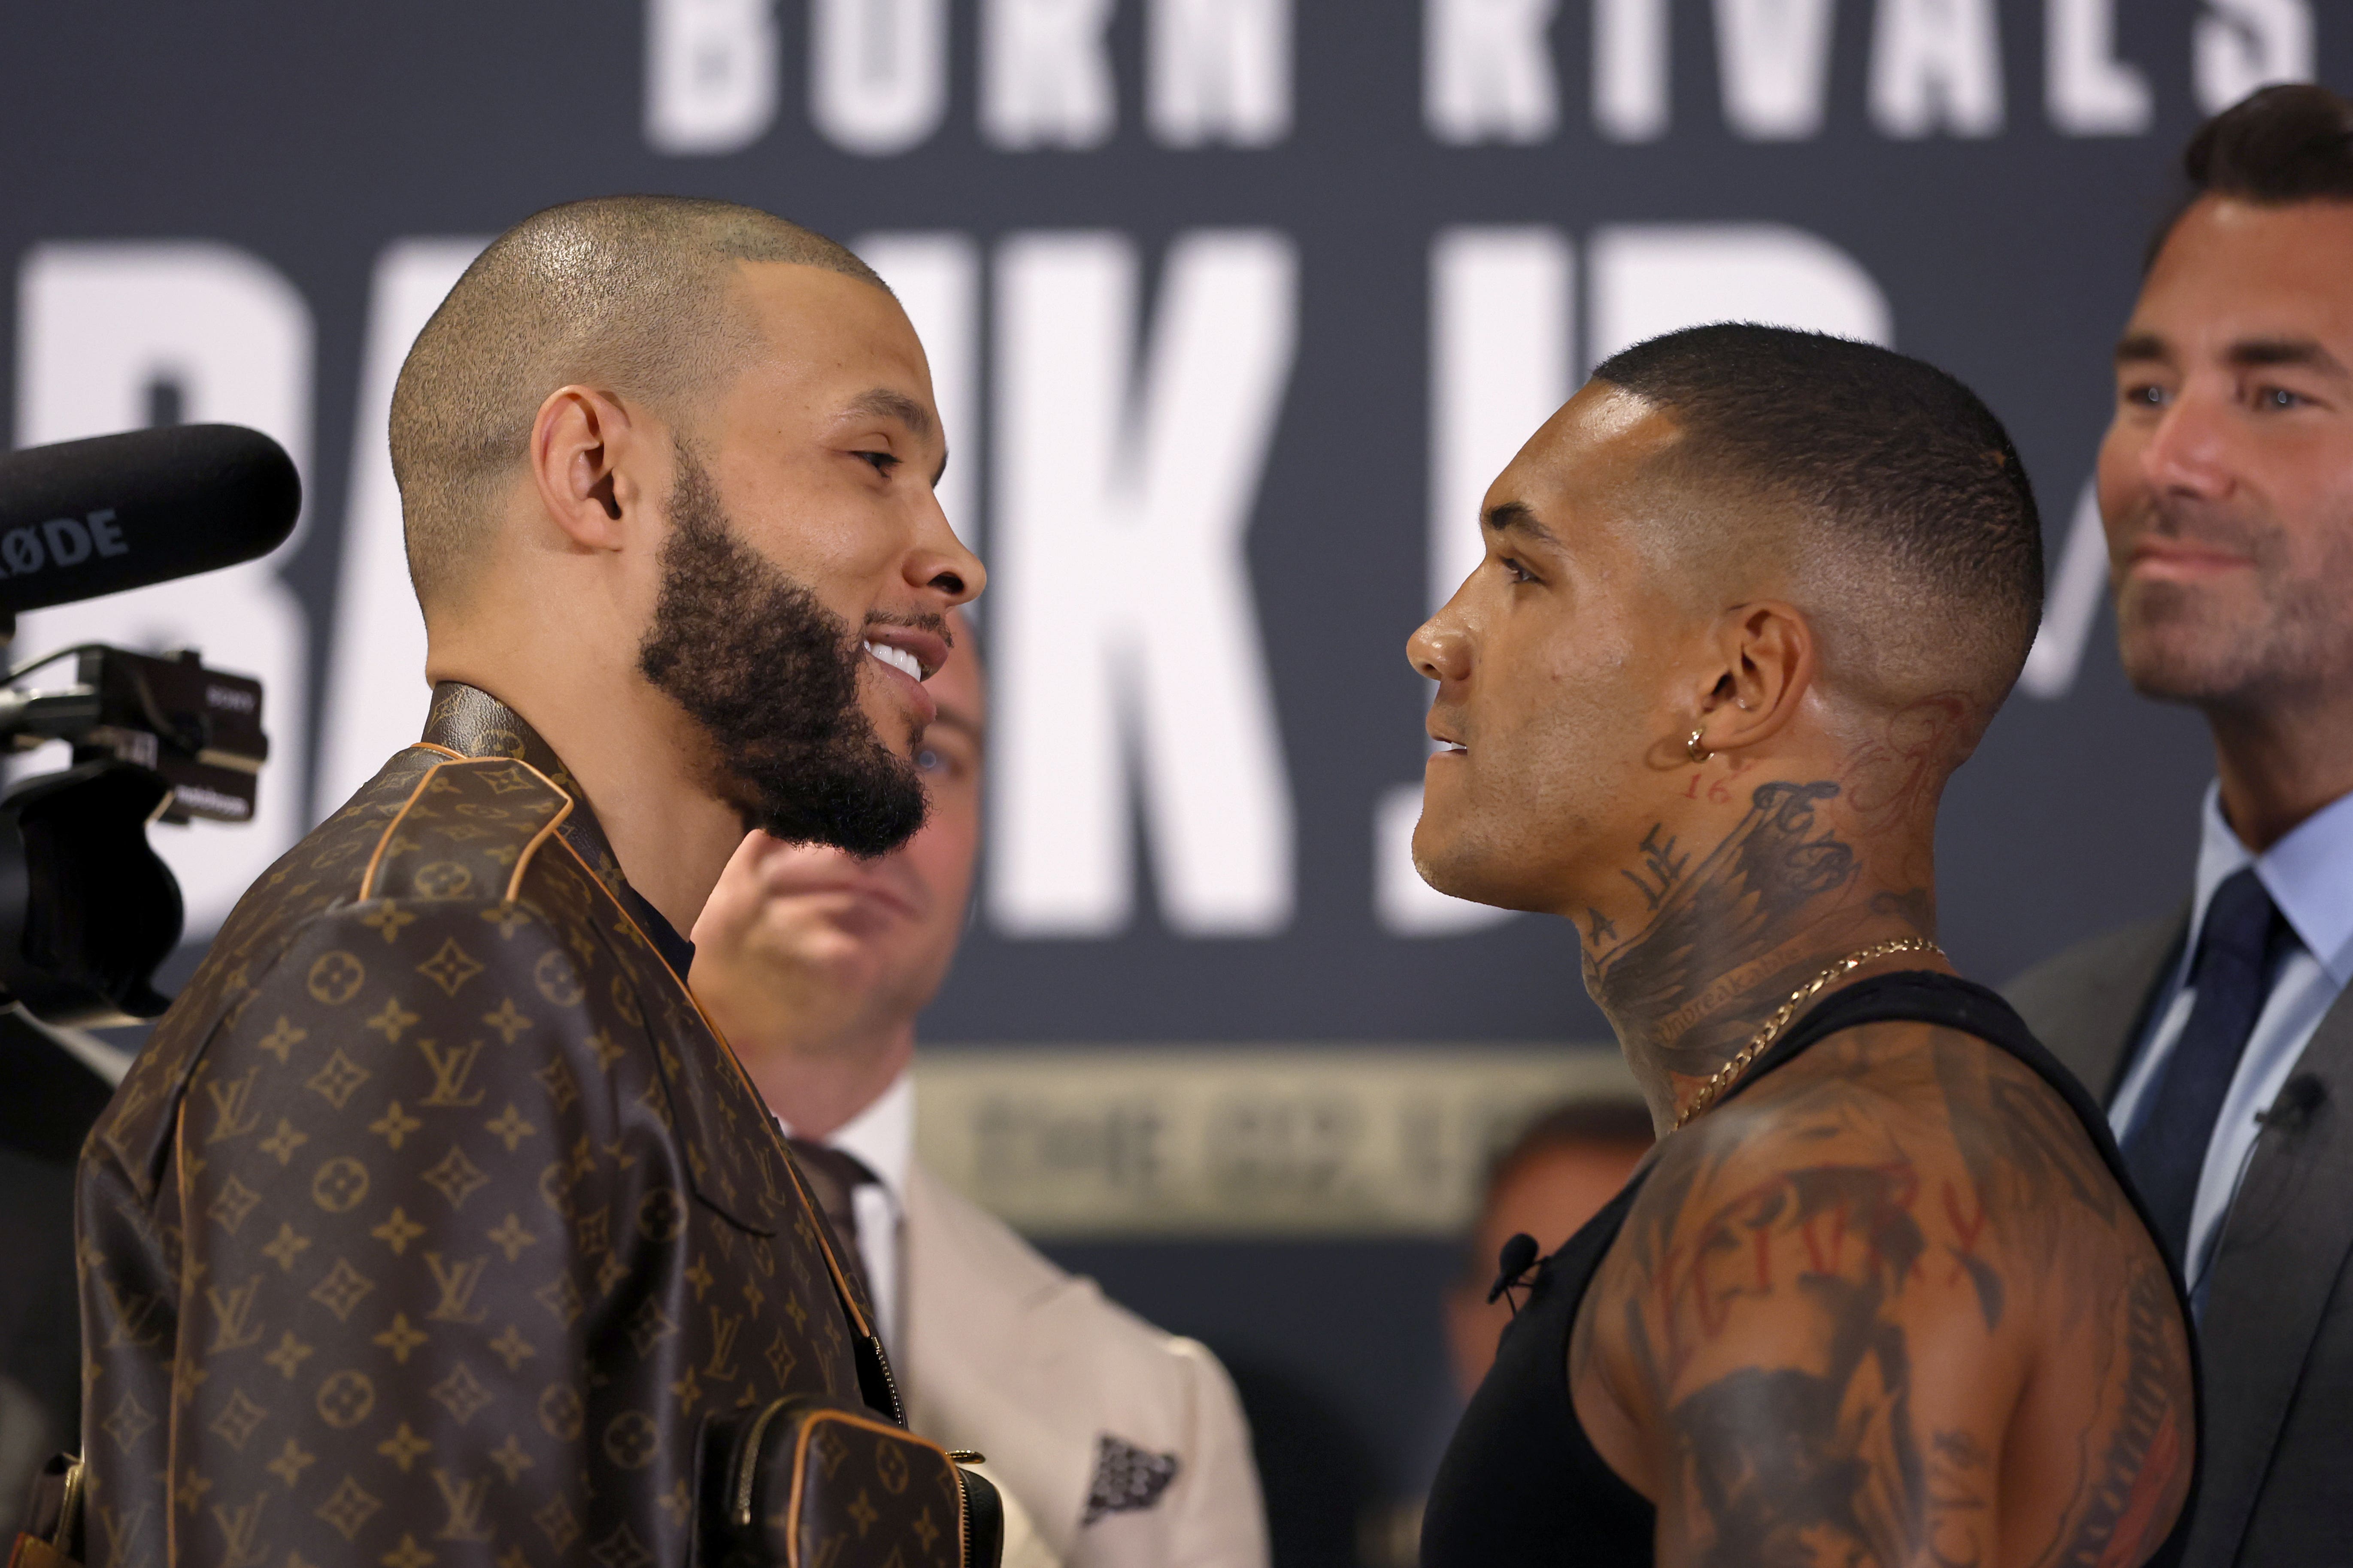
85, 518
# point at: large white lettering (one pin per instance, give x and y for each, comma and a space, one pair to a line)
100, 329
1045, 74
377, 691
2088, 90
2242, 45
878, 72
1936, 65
1500, 310
1125, 635
1774, 59
1630, 80
711, 74
1487, 71
1219, 70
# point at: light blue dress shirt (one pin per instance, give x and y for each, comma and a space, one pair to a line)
2309, 875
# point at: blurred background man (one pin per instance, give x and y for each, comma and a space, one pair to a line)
1555, 1175
2218, 1033
1126, 1446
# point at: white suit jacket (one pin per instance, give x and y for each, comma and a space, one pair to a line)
1079, 1404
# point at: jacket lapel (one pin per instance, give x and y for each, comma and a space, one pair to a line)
2091, 1005
2274, 1268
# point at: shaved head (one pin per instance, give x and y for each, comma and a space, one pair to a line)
631, 295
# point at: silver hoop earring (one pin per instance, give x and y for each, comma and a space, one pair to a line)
1698, 752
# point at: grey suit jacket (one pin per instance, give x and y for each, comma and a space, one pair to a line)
2277, 1331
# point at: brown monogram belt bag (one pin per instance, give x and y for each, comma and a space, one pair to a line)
812, 1483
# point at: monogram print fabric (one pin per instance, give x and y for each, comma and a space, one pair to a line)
867, 1497
825, 1487
433, 1219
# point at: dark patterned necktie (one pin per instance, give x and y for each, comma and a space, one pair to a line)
834, 1178
2166, 1153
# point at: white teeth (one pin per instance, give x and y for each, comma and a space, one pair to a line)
897, 658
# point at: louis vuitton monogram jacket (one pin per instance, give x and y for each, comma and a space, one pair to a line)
434, 1218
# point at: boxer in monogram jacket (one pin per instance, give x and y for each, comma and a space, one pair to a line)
434, 1223
436, 1131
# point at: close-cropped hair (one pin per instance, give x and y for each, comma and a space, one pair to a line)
630, 295
2278, 146
1888, 489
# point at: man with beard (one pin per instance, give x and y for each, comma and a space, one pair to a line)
434, 1221
1881, 1294
2220, 1034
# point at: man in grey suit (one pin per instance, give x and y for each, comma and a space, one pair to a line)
2221, 1035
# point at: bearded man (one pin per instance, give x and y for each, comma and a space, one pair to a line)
1881, 1295
434, 1219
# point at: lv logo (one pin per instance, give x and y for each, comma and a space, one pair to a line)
456, 1282
233, 1113
135, 1314
239, 1526
233, 1315
725, 1327
452, 1068
464, 1499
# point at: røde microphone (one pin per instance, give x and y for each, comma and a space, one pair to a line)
84, 517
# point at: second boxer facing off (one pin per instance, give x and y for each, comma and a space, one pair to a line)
1882, 1293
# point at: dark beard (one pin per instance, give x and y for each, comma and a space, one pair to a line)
772, 677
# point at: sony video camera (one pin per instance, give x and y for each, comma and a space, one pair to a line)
88, 911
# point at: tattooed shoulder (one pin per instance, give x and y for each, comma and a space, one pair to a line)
1890, 1308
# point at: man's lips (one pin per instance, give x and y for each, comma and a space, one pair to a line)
1444, 741
892, 649
2171, 561
899, 646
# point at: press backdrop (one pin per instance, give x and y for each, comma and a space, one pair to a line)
1235, 306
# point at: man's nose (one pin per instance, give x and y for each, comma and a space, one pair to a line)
2189, 453
1438, 649
940, 563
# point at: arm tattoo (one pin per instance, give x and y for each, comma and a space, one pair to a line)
1784, 1278
1781, 1460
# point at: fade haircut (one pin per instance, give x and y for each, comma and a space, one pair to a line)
627, 294
1888, 489
2278, 146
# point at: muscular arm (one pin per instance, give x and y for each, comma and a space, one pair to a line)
1890, 1309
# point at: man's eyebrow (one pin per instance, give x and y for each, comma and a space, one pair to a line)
1517, 515
897, 405
956, 719
2141, 348
2251, 354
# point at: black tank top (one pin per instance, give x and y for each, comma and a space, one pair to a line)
1521, 1484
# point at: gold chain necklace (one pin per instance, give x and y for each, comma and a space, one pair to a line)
1729, 1073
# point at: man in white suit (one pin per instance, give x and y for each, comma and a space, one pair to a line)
1126, 1446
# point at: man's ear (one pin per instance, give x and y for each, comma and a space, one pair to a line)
1768, 664
586, 457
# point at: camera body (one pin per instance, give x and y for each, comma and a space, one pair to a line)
87, 911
